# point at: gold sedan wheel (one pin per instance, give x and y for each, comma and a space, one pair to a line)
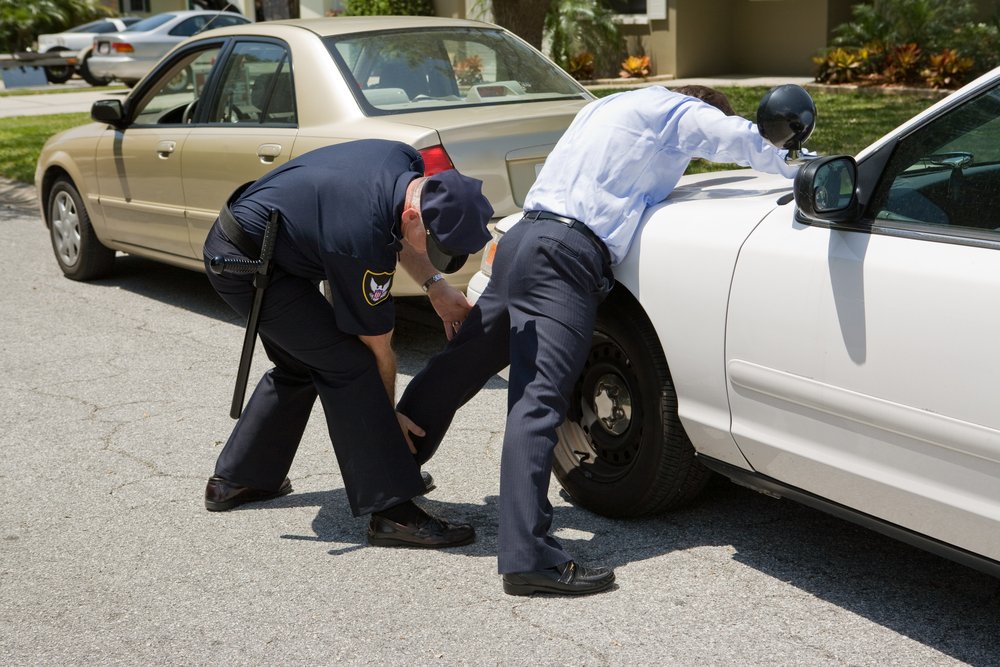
79, 254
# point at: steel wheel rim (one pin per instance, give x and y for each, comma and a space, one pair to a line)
66, 228
605, 450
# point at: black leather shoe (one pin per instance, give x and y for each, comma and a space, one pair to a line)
222, 495
429, 484
426, 531
566, 579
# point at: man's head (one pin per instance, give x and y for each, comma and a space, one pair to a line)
709, 95
446, 214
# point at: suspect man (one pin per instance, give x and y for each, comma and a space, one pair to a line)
621, 155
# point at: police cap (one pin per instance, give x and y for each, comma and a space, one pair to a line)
455, 214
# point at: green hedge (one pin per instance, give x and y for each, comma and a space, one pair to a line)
389, 8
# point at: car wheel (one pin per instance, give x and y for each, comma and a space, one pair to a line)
179, 82
80, 255
622, 451
58, 73
88, 76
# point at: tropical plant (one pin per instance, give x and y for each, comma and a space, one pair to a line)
635, 67
843, 65
903, 63
932, 24
21, 22
469, 71
389, 8
577, 27
981, 42
581, 66
947, 69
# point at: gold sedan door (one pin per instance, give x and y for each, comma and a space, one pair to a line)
247, 128
139, 166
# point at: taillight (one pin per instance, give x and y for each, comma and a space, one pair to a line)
122, 47
435, 160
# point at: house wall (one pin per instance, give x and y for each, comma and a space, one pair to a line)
777, 36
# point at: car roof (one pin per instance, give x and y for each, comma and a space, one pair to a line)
341, 25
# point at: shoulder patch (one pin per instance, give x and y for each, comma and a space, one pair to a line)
376, 286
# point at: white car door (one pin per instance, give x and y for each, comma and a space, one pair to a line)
864, 363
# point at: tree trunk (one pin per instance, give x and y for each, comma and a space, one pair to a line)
524, 18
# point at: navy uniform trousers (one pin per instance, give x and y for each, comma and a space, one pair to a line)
537, 314
312, 357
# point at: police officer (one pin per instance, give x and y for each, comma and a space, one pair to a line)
347, 213
620, 155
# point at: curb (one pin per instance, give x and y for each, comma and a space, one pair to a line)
17, 194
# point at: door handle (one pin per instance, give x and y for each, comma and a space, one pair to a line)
165, 148
267, 152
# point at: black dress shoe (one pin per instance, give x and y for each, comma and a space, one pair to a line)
222, 495
566, 579
424, 531
429, 484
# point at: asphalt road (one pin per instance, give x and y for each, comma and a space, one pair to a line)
115, 398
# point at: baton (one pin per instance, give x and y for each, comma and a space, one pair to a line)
262, 275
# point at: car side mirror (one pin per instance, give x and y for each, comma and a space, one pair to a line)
826, 189
108, 111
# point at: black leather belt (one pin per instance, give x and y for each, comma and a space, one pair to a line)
572, 223
247, 244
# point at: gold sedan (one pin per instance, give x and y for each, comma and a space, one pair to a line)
149, 176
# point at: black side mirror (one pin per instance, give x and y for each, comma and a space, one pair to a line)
108, 111
826, 189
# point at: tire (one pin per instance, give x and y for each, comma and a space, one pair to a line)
88, 76
179, 82
58, 73
622, 451
79, 254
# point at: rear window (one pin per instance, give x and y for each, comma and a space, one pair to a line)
416, 70
151, 23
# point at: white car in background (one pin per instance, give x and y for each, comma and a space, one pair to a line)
834, 343
129, 55
79, 40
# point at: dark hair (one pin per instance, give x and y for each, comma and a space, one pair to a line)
709, 95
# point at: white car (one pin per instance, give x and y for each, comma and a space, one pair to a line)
127, 56
836, 342
79, 40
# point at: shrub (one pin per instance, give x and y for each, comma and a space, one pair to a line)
389, 8
581, 66
947, 69
841, 65
635, 67
575, 27
469, 71
902, 63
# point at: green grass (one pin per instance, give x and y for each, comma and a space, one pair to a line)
22, 137
55, 89
847, 122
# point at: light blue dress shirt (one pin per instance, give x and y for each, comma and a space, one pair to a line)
626, 152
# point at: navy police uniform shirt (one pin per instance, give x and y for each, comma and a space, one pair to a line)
340, 207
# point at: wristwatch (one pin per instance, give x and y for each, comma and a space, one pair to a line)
430, 281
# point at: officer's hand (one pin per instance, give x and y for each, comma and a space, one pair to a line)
408, 427
450, 305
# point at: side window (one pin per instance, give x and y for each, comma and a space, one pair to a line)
947, 173
188, 27
174, 96
256, 87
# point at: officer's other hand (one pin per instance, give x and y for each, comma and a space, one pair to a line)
408, 427
450, 305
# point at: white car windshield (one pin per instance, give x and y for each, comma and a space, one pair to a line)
416, 70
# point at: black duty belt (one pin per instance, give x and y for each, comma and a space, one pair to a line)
242, 239
574, 224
